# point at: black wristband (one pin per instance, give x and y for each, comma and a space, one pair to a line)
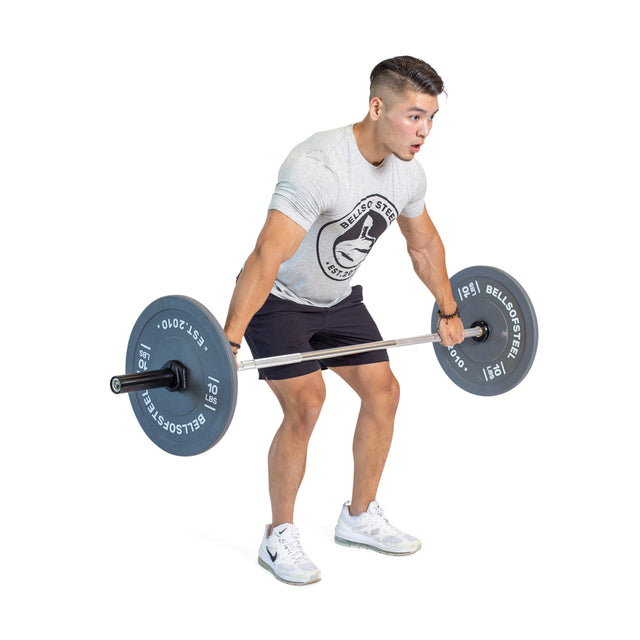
455, 314
234, 344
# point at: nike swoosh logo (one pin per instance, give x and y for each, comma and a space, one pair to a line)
272, 556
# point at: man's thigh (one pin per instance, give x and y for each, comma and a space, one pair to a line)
281, 327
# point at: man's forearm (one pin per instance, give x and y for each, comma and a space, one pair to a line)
430, 265
279, 239
252, 289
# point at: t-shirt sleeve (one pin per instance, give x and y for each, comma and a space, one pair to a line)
306, 188
415, 206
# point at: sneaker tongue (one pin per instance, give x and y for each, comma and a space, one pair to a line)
374, 508
285, 530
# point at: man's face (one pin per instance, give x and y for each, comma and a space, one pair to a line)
405, 125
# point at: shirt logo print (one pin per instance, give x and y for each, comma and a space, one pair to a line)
343, 244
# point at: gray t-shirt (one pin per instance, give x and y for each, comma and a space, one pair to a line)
345, 204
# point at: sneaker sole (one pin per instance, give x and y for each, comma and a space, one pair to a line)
362, 545
264, 565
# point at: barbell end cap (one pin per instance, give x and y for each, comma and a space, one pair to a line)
116, 385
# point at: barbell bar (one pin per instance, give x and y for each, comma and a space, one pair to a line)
181, 374
170, 376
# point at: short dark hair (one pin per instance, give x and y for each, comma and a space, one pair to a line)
405, 73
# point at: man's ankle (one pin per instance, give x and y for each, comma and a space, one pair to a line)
358, 508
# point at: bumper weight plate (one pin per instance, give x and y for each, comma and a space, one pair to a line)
189, 422
502, 361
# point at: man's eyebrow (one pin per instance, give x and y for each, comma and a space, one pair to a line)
420, 110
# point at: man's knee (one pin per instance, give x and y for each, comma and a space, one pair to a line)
302, 402
307, 405
383, 392
391, 392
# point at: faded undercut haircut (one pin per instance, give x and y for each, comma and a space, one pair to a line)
392, 78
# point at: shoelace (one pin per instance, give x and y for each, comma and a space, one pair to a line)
376, 511
376, 515
294, 549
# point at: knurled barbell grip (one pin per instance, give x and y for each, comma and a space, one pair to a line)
293, 358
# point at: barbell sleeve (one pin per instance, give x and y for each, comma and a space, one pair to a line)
133, 382
173, 377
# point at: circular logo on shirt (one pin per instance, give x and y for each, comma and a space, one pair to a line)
343, 244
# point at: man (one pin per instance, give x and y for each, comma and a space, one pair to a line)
337, 192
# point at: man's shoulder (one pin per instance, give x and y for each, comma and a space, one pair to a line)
323, 145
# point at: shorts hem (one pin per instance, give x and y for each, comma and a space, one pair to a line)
295, 371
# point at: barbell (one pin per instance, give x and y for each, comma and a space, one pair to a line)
181, 375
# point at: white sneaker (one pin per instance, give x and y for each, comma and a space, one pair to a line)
371, 530
282, 554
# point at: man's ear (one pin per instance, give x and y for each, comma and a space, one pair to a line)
376, 106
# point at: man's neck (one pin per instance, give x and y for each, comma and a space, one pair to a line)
365, 134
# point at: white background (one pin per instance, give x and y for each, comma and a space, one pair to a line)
140, 143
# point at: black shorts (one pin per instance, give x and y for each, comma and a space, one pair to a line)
281, 327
